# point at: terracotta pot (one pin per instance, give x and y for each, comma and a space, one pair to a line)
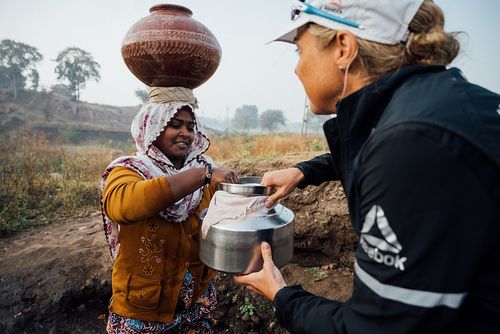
169, 48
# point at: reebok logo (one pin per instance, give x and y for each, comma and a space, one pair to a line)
385, 251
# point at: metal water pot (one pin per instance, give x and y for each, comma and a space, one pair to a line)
233, 246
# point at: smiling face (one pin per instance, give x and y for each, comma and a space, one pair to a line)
176, 139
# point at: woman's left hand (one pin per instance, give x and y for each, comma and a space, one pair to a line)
223, 175
266, 282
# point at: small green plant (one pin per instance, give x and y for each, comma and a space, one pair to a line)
248, 308
232, 296
316, 145
316, 273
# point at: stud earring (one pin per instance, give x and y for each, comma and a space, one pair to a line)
342, 68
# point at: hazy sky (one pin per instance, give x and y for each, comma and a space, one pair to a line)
250, 72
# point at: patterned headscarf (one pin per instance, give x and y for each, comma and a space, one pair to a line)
150, 162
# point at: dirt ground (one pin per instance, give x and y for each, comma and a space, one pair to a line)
56, 278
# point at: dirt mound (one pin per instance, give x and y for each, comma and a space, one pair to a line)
322, 223
56, 278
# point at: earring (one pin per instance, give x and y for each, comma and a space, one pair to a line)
342, 68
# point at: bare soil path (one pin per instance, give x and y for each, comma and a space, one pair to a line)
55, 278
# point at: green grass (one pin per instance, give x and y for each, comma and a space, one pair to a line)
317, 274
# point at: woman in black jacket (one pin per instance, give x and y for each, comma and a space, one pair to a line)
417, 149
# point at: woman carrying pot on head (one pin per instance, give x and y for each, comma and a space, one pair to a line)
151, 203
417, 149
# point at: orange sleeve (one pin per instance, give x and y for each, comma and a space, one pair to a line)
128, 198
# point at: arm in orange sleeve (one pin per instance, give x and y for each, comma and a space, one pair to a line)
128, 198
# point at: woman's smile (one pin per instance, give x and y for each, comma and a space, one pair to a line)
183, 144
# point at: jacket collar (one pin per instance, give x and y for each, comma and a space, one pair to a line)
359, 113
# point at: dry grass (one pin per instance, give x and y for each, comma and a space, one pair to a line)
42, 182
263, 146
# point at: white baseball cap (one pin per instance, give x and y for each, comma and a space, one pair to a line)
382, 21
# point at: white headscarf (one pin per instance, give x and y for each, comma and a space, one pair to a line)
150, 162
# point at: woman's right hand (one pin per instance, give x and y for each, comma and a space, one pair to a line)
223, 175
284, 181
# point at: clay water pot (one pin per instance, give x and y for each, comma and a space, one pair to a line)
169, 48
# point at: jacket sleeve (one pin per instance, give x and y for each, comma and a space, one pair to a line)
128, 198
317, 170
430, 223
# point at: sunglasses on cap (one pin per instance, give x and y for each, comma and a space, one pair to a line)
300, 6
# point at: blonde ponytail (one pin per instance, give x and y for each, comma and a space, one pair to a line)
428, 43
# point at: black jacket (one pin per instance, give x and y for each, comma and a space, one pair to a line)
418, 155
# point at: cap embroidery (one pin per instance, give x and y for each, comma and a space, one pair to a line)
334, 6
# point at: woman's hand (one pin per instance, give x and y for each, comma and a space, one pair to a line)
223, 175
284, 181
266, 282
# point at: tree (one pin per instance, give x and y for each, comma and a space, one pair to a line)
246, 117
142, 94
62, 89
316, 122
76, 67
270, 119
18, 64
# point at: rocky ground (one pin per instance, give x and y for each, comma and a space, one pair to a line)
56, 278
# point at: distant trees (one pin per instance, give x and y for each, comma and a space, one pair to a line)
75, 67
246, 117
62, 89
142, 94
18, 64
270, 119
315, 122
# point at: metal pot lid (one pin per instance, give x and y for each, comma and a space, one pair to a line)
275, 218
248, 186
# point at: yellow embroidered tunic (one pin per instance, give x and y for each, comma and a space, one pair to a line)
154, 254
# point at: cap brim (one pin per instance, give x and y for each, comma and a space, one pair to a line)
291, 31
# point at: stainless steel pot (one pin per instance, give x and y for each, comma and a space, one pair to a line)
233, 246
